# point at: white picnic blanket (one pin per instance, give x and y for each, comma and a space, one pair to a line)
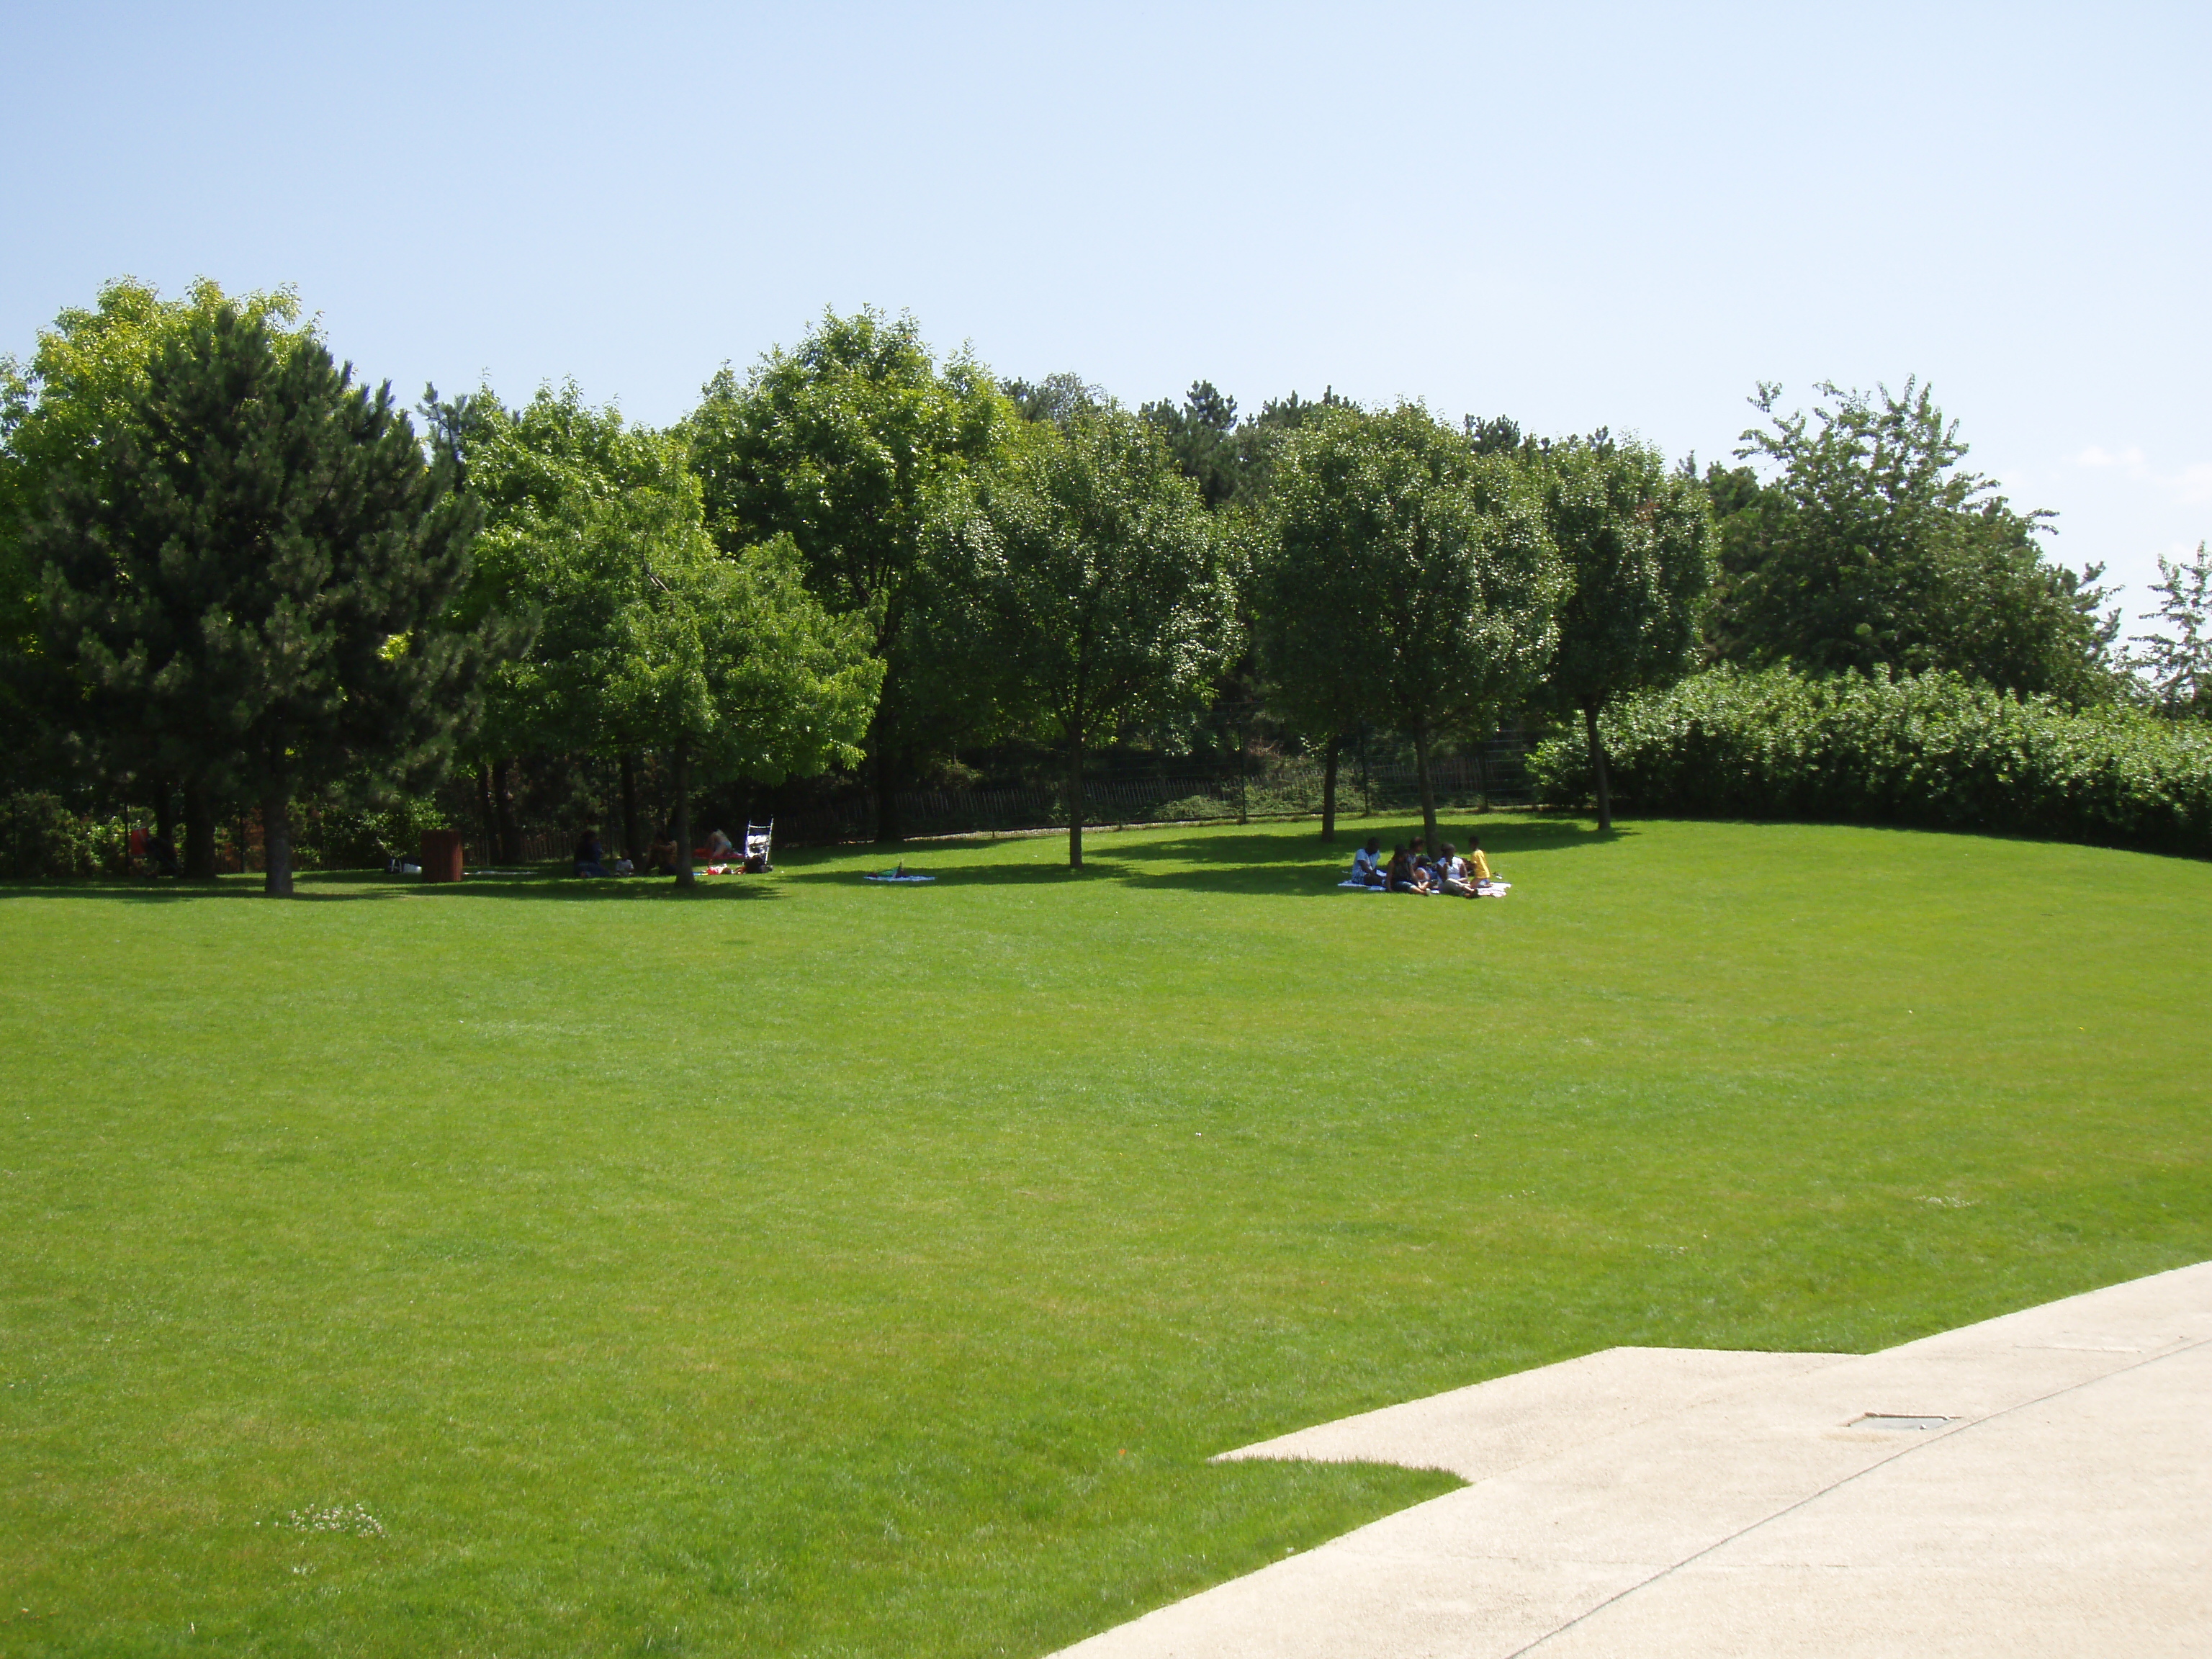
1483, 890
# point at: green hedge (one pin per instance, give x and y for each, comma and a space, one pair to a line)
41, 836
1932, 751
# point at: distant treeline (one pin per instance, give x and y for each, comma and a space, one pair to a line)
237, 582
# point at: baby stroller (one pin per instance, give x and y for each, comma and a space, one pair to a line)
758, 838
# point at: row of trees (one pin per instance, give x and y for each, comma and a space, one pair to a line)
234, 573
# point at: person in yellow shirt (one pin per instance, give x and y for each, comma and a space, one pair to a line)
1477, 867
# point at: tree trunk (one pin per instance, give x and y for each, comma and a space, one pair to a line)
679, 767
276, 842
1244, 756
490, 814
633, 820
1599, 783
888, 827
1429, 841
165, 809
1328, 789
199, 834
1075, 801
502, 791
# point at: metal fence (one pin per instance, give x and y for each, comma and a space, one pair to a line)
1492, 775
1495, 774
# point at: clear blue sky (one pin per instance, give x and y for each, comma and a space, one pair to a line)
1579, 215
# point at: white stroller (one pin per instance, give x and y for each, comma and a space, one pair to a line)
759, 837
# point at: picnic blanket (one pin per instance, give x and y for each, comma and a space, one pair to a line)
898, 880
1483, 890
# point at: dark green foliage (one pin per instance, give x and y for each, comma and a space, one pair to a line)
1406, 576
246, 573
78, 384
1201, 435
1872, 550
41, 837
1095, 583
841, 445
1637, 539
1933, 750
1057, 397
1232, 461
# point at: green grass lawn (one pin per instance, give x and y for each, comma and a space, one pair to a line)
811, 1267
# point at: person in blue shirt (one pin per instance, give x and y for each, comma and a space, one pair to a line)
591, 857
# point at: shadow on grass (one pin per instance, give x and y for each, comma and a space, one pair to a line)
1271, 866
1266, 865
348, 886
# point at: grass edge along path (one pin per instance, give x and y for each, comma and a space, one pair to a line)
812, 1268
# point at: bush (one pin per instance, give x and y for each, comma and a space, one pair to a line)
41, 837
339, 837
1932, 751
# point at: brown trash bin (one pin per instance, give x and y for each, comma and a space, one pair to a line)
441, 855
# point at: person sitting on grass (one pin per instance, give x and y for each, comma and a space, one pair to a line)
1402, 874
591, 857
660, 857
1477, 867
719, 849
1367, 863
1454, 876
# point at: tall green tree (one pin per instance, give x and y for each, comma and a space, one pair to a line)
1871, 548
1201, 433
842, 444
80, 382
1435, 562
1312, 650
260, 546
644, 636
1100, 586
1637, 539
731, 664
556, 478
2176, 663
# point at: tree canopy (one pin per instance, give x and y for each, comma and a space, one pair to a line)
2176, 665
1096, 580
842, 444
1636, 540
81, 378
253, 558
1873, 548
643, 634
1429, 565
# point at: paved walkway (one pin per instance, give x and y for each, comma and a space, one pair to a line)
2043, 1485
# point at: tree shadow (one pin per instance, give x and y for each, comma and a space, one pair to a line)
1267, 865
356, 886
1259, 863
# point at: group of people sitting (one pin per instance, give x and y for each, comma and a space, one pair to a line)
1410, 870
152, 852
660, 856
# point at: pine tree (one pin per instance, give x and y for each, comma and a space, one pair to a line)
2178, 663
253, 559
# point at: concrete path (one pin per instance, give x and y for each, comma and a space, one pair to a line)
2043, 1485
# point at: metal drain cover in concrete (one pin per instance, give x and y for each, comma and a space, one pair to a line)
1884, 1420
